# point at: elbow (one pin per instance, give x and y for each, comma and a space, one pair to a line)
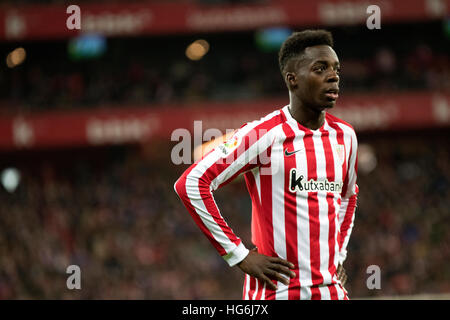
183, 186
190, 186
180, 186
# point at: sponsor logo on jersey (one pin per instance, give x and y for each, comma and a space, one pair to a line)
298, 184
290, 153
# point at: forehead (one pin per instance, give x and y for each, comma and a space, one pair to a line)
322, 52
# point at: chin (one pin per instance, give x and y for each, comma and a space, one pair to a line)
329, 104
324, 103
325, 106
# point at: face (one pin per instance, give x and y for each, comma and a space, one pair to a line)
314, 79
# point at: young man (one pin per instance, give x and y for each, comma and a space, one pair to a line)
299, 164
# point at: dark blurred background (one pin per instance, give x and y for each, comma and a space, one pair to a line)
86, 123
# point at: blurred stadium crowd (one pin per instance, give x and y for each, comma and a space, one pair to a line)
117, 218
131, 73
114, 213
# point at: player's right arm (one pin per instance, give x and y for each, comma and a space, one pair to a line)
240, 153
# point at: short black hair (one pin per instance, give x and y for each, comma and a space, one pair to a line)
297, 42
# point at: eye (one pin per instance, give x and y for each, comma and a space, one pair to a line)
320, 68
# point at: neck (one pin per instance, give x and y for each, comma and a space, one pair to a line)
309, 117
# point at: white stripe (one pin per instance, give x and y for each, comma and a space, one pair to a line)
257, 178
323, 207
247, 286
342, 210
279, 237
283, 292
340, 292
324, 293
255, 292
305, 293
348, 132
263, 295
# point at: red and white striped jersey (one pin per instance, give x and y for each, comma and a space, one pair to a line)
302, 184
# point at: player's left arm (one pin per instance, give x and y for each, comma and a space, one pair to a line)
348, 201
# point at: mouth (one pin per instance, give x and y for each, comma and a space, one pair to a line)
332, 94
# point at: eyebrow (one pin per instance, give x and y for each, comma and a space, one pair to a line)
326, 62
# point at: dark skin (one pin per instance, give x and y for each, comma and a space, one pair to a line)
313, 82
308, 78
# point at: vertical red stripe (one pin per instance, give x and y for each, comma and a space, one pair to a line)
269, 294
266, 223
315, 293
251, 292
333, 292
313, 211
257, 233
290, 214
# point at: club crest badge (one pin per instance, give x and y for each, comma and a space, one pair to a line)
340, 152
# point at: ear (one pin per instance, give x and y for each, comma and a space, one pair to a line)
291, 80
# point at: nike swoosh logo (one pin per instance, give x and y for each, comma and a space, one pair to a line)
287, 153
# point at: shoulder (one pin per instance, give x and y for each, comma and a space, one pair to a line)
259, 132
346, 127
264, 124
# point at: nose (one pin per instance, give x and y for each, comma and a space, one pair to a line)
333, 76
